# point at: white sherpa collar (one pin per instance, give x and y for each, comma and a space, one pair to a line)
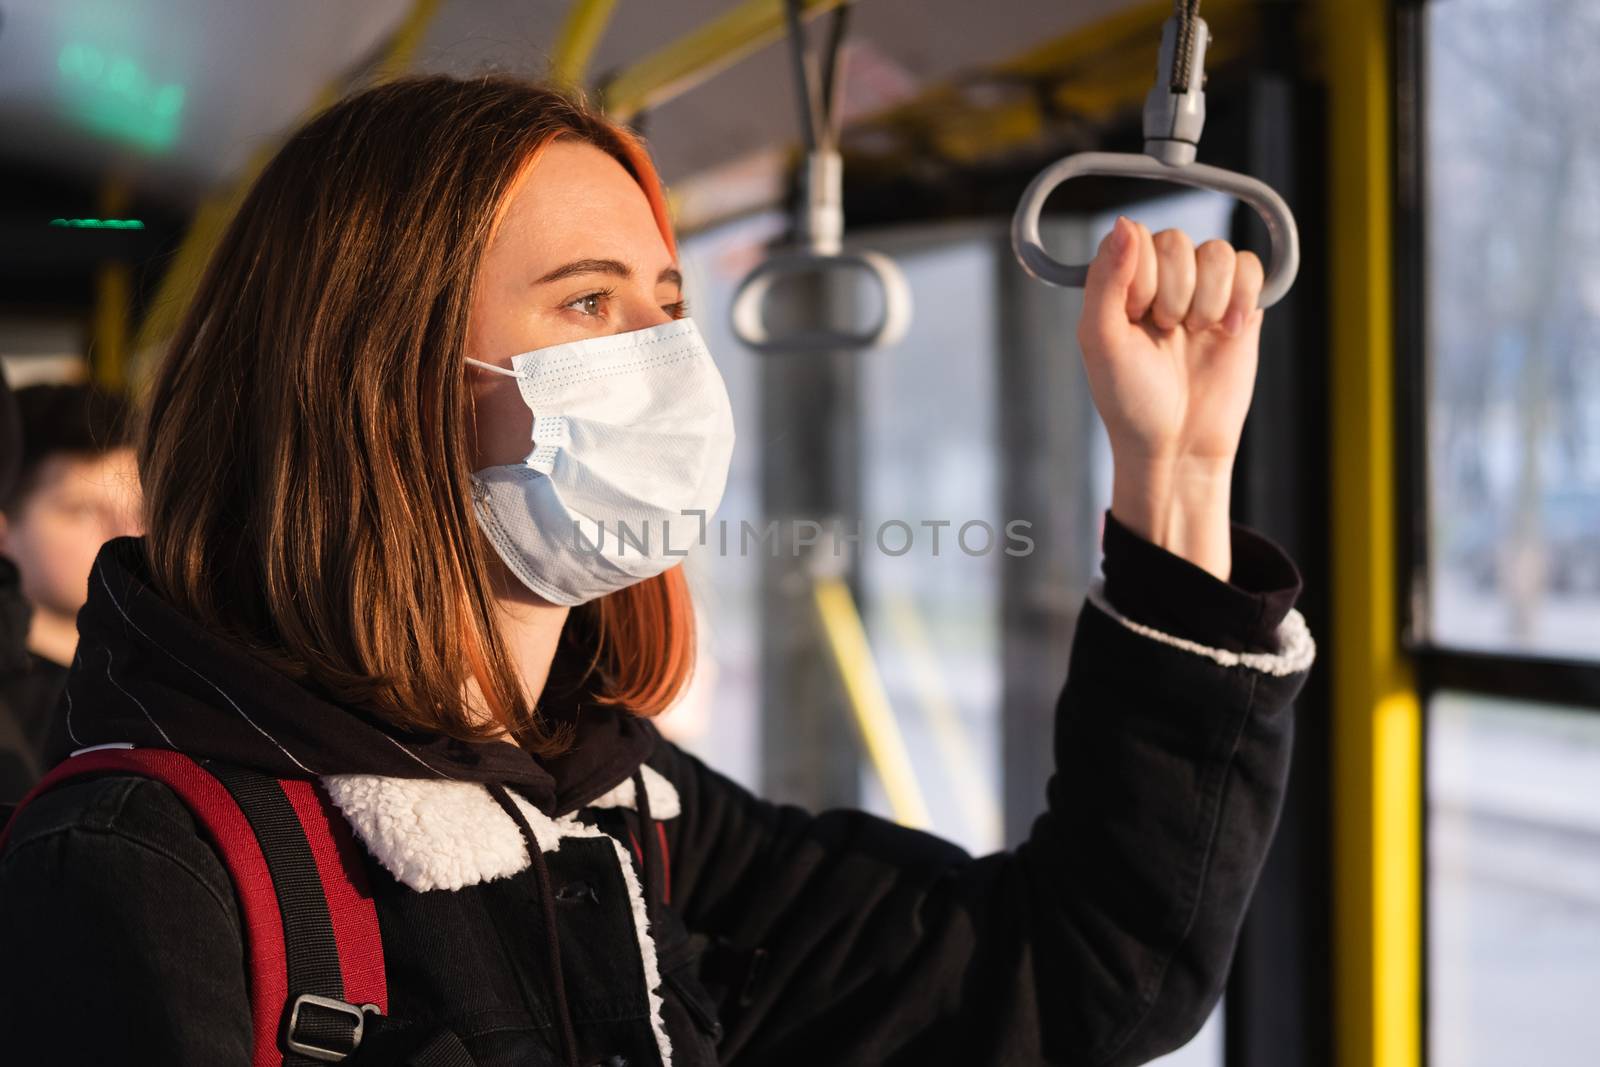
434, 834
447, 835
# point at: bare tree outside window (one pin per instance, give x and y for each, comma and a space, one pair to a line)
1513, 156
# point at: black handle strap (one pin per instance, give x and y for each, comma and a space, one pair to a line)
318, 1025
817, 94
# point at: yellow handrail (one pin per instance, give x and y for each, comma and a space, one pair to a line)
1377, 729
956, 747
580, 36
869, 701
699, 55
402, 46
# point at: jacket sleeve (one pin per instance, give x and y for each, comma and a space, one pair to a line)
119, 935
1103, 940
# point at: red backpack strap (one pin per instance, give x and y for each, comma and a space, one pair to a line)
342, 869
295, 868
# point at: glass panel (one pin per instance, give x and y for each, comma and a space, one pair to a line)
1513, 306
933, 540
1513, 883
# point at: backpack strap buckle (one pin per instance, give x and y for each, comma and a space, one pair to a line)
317, 1034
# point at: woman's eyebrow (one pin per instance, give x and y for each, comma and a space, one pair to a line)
588, 266
613, 267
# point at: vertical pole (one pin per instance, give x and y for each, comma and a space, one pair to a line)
1377, 714
113, 302
810, 460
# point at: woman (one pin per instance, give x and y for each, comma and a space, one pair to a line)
356, 572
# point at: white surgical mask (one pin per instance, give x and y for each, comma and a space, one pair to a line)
632, 434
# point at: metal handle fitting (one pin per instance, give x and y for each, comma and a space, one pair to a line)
1173, 121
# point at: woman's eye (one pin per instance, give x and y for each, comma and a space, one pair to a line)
678, 309
590, 304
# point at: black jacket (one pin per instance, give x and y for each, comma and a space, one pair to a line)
765, 935
30, 687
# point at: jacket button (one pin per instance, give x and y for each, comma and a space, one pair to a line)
577, 892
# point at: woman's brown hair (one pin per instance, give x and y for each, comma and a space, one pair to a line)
307, 443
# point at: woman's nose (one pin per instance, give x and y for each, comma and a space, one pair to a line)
648, 313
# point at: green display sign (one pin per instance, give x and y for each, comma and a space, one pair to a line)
113, 95
99, 224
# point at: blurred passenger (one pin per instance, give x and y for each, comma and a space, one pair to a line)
76, 487
446, 325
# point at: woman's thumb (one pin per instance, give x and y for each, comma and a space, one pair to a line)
1105, 293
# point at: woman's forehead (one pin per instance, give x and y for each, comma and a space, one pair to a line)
575, 200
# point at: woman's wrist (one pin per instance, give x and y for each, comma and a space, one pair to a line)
1179, 505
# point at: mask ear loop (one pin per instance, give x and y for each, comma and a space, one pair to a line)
492, 367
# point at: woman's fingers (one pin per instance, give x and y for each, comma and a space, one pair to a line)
1248, 278
1175, 259
1146, 275
1165, 279
1213, 286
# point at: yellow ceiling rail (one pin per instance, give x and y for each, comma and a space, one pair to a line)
699, 55
1377, 729
1094, 72
1136, 29
406, 39
869, 701
211, 218
580, 35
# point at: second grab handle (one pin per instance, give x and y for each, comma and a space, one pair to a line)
749, 304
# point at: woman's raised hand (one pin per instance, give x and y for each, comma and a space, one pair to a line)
1171, 338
